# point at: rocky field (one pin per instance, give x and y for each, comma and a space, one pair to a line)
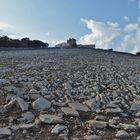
69, 94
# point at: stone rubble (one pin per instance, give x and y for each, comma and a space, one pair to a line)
69, 94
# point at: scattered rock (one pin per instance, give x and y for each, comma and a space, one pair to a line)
23, 105
92, 137
4, 82
23, 126
79, 107
50, 119
28, 116
97, 124
128, 127
122, 134
5, 132
114, 110
69, 111
135, 106
100, 118
2, 110
138, 138
41, 104
17, 101
58, 129
93, 104
138, 114
69, 94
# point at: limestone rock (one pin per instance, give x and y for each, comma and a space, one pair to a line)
138, 138
58, 129
79, 107
69, 111
17, 101
92, 137
93, 104
4, 82
23, 105
114, 110
5, 132
97, 124
50, 119
128, 127
28, 116
41, 104
122, 134
135, 106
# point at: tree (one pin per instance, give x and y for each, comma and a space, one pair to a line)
138, 53
7, 42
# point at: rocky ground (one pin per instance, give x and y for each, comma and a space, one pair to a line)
69, 94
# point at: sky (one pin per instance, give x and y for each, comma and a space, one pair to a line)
106, 23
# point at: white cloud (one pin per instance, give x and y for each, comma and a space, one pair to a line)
5, 26
102, 34
126, 18
127, 40
55, 42
131, 39
131, 27
6, 29
105, 34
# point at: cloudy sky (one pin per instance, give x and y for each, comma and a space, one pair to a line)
106, 23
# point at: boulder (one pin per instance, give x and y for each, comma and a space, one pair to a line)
122, 134
92, 137
70, 111
58, 129
79, 107
41, 104
97, 124
5, 132
50, 119
135, 106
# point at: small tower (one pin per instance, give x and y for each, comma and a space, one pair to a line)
72, 42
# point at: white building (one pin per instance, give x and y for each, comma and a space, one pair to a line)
64, 44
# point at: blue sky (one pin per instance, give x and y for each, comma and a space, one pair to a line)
107, 23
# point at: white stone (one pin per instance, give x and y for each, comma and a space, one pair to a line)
138, 138
28, 116
4, 82
17, 101
93, 104
114, 110
122, 134
135, 106
79, 107
97, 124
58, 129
5, 132
128, 127
23, 105
41, 104
70, 111
50, 119
92, 137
